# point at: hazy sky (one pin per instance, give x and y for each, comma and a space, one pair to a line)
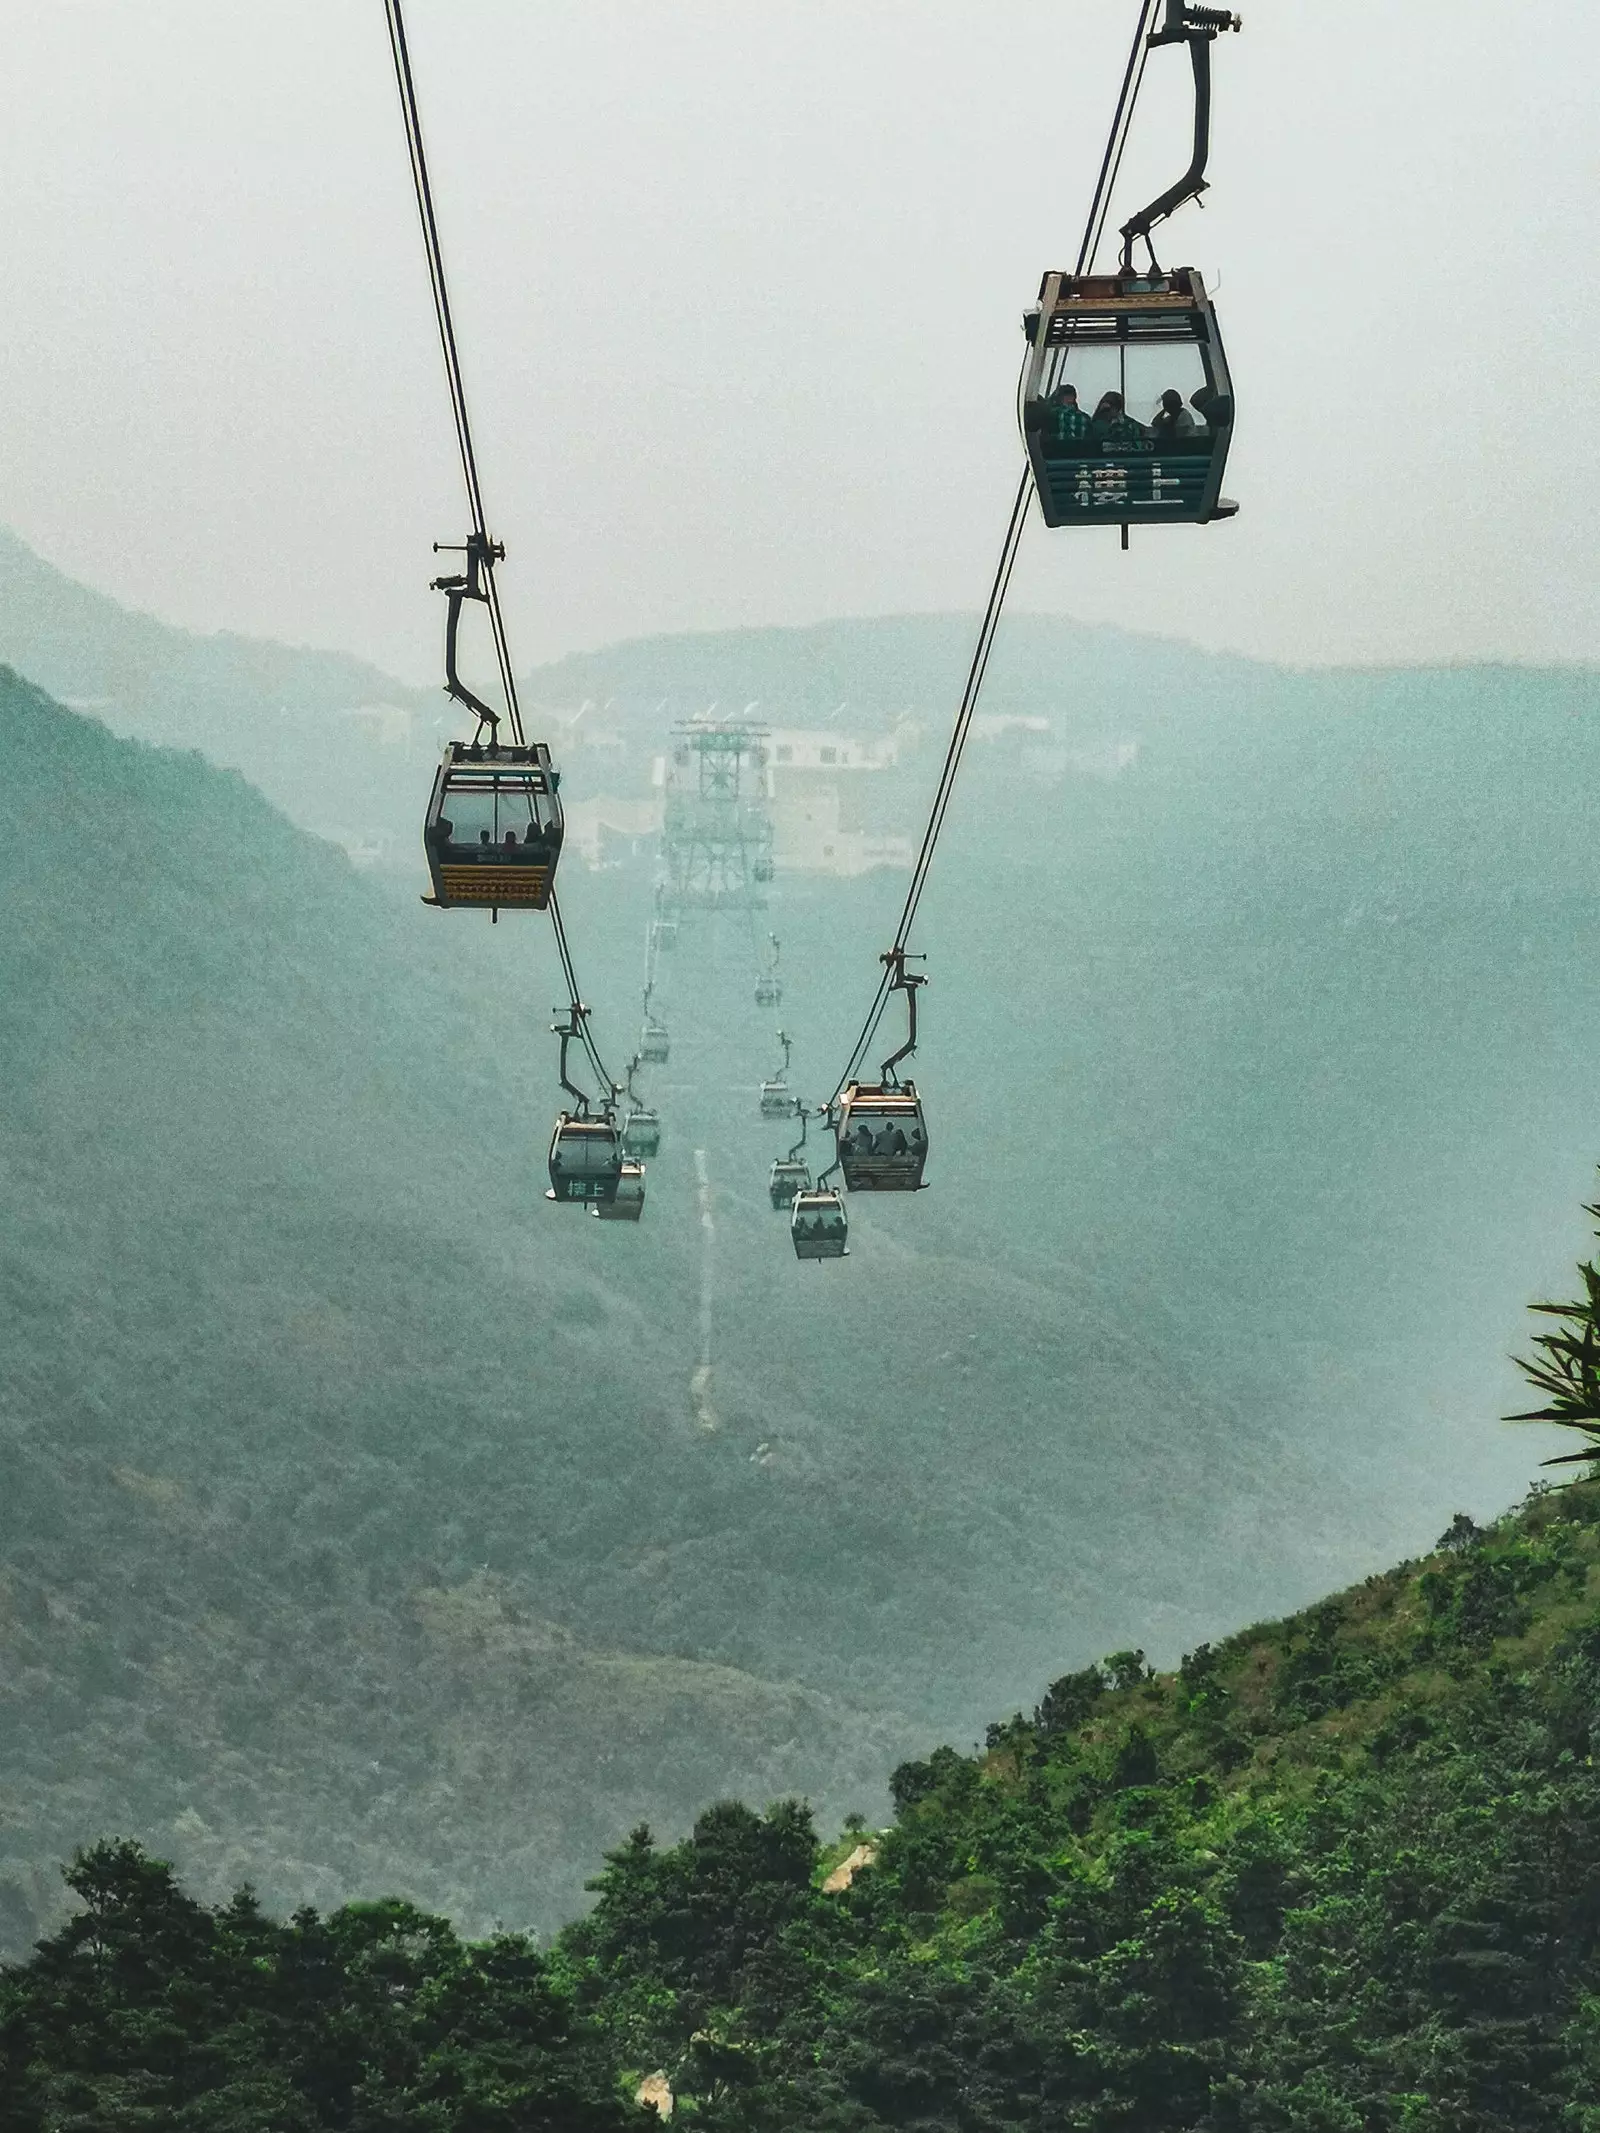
739, 283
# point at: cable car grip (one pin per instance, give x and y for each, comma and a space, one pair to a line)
567, 1030
482, 554
1198, 28
910, 983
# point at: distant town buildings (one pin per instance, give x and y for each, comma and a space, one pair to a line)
829, 812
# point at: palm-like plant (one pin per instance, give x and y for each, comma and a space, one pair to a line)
1567, 1365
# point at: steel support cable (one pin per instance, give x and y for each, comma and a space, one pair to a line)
580, 1014
1094, 226
445, 319
1117, 139
947, 777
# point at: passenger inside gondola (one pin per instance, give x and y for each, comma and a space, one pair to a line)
488, 823
1066, 423
1172, 419
1113, 424
1215, 409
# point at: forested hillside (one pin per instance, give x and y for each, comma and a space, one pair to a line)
303, 1387
1339, 1872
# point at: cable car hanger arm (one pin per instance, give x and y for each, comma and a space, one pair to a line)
1198, 28
482, 555
569, 1029
902, 980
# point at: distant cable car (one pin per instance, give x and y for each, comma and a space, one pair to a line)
777, 1098
1127, 404
641, 1133
627, 1202
882, 1136
655, 1047
790, 1174
585, 1158
819, 1225
769, 986
664, 933
493, 829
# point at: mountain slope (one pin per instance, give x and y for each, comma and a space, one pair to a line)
1338, 1873
321, 1430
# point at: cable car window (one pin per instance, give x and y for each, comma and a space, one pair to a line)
1122, 396
505, 813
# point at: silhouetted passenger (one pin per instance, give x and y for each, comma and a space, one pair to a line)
1113, 424
1214, 409
510, 840
1172, 419
483, 838
1065, 421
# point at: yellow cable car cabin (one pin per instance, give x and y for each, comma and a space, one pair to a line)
818, 1225
627, 1202
586, 1159
882, 1136
1127, 404
493, 829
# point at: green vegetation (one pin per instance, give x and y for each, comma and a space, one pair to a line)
1337, 1874
1566, 1365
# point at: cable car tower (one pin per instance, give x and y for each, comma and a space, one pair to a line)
717, 835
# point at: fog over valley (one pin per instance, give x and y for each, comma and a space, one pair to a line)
800, 1287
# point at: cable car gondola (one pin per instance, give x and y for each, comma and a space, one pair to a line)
493, 829
777, 1098
882, 1136
585, 1157
1127, 407
641, 1132
586, 1148
819, 1225
1126, 401
627, 1202
791, 1173
655, 1047
769, 986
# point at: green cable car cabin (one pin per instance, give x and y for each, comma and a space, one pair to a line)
818, 1225
586, 1160
882, 1137
641, 1133
626, 1204
1127, 404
